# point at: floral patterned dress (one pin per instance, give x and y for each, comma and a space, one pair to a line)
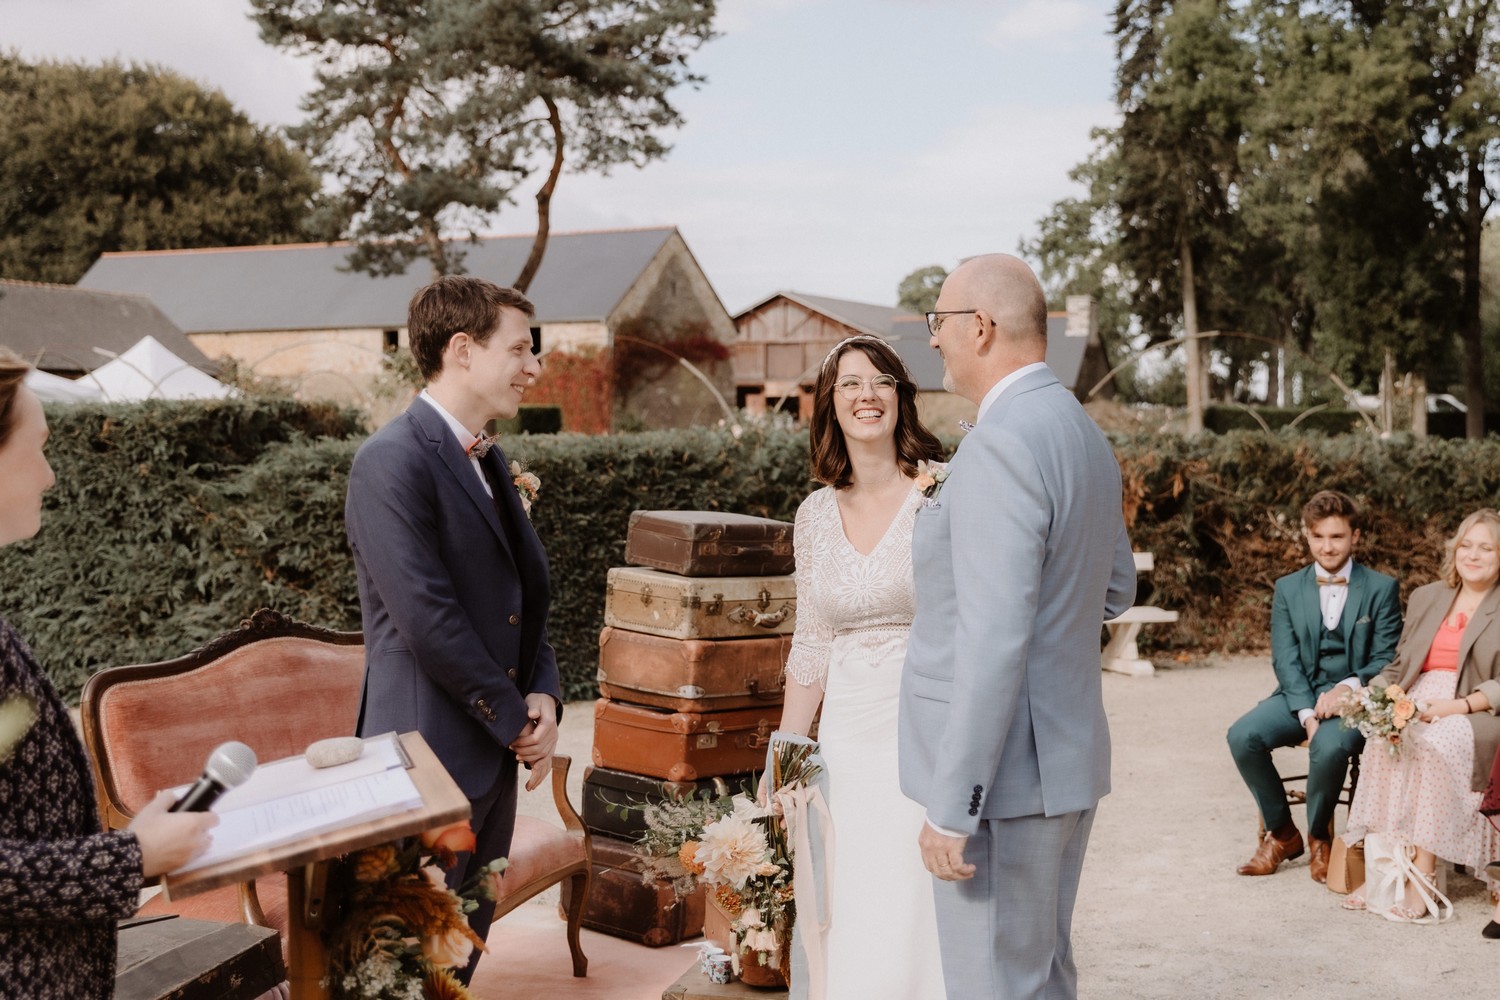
854, 613
63, 883
1424, 795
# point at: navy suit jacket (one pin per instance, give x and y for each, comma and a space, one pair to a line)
454, 606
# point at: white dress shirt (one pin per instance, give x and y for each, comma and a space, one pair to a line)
1331, 601
465, 438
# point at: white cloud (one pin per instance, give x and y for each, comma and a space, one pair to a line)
1034, 21
851, 228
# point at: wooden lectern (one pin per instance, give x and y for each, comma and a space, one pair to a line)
306, 864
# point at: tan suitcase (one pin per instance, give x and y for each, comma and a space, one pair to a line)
691, 675
682, 607
681, 746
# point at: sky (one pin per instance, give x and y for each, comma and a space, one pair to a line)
836, 145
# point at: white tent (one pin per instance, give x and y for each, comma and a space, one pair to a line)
150, 371
51, 388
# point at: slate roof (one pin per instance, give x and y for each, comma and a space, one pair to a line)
583, 277
57, 327
864, 316
908, 335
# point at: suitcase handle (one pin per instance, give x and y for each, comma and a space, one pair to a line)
761, 619
744, 549
753, 689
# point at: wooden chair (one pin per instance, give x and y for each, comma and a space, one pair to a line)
277, 685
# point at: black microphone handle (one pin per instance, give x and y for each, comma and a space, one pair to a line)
204, 793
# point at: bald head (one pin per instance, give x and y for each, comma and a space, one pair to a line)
1005, 287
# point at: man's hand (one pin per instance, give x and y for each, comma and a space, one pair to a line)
536, 743
169, 840
1311, 725
1330, 701
943, 855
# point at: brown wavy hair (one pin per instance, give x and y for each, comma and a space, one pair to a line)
830, 455
12, 372
1449, 571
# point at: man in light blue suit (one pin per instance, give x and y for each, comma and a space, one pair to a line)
1020, 554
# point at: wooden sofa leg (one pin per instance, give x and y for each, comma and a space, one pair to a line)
577, 897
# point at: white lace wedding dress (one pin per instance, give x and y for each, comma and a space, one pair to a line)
854, 613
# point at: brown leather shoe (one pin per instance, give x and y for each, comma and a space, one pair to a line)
1271, 853
1317, 865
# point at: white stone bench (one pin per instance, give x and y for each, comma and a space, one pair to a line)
1120, 652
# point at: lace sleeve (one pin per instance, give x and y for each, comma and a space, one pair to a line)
807, 664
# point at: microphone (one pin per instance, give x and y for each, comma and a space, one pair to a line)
228, 767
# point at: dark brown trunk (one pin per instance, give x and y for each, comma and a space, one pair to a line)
544, 200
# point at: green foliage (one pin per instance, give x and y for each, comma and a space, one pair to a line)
919, 290
1221, 516
171, 522
428, 116
1223, 419
533, 420
102, 158
1326, 166
144, 551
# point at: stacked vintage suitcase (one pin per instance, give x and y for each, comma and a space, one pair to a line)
697, 631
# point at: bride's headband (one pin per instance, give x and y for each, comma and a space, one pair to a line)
857, 338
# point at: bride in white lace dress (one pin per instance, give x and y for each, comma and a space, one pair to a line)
855, 602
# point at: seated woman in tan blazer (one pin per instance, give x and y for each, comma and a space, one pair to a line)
1449, 662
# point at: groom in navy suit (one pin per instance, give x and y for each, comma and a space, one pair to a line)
453, 582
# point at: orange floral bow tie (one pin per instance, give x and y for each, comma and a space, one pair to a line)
481, 445
1333, 581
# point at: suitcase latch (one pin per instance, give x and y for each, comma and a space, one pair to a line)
707, 741
646, 594
714, 606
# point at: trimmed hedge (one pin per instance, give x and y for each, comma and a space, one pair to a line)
171, 522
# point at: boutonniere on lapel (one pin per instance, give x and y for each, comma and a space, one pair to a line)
527, 485
930, 479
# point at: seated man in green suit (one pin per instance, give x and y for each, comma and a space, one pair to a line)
1333, 624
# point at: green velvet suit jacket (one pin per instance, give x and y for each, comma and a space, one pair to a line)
1371, 624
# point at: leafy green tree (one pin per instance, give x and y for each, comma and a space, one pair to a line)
919, 290
114, 157
428, 115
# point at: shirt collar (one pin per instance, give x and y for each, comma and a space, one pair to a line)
1005, 383
463, 434
1346, 571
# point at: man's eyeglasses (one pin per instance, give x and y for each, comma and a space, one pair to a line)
851, 387
935, 319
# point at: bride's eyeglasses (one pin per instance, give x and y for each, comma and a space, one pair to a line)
851, 387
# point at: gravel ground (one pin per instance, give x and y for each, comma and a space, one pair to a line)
1161, 912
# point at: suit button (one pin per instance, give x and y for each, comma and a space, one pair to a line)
511, 673
514, 619
978, 789
973, 810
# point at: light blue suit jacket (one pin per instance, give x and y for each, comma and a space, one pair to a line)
1019, 559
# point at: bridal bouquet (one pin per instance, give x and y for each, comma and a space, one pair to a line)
746, 860
1381, 712
399, 928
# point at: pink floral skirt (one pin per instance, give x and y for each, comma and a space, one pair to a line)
1424, 795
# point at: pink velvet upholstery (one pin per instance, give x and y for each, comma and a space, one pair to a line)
277, 685
539, 850
277, 695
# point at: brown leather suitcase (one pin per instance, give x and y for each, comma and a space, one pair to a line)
709, 543
614, 801
687, 607
681, 746
691, 675
628, 903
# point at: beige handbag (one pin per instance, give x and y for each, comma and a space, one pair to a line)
1346, 867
